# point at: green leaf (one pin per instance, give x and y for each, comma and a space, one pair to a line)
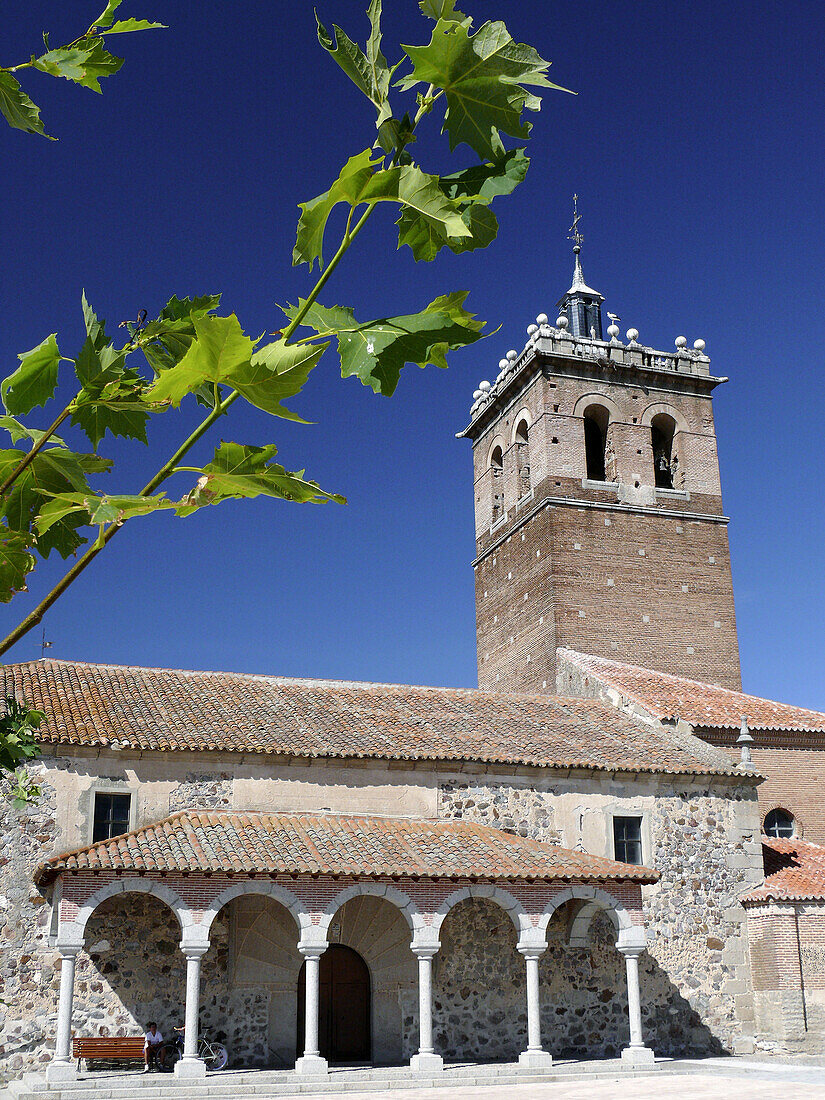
18, 431
239, 471
359, 183
18, 109
470, 191
376, 351
54, 470
106, 17
275, 372
16, 560
85, 64
95, 329
117, 407
441, 9
179, 309
368, 71
483, 76
97, 509
220, 347
125, 25
35, 380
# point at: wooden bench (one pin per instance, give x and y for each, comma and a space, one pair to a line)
109, 1048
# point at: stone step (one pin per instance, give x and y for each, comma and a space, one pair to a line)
134, 1087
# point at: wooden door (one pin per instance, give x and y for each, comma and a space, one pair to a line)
344, 1006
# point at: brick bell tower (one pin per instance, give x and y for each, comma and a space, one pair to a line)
598, 505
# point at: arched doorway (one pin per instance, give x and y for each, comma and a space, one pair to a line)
344, 1006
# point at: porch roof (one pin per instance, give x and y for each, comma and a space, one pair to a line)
336, 844
794, 871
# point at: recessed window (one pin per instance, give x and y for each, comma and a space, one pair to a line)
627, 840
111, 815
778, 823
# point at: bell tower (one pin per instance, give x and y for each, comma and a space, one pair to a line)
598, 505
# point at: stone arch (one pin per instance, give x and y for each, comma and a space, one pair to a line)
129, 886
498, 444
265, 889
497, 894
523, 417
596, 398
409, 910
595, 900
658, 408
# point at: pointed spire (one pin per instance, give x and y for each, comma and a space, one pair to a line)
581, 303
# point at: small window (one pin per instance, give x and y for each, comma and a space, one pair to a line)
778, 823
595, 442
627, 840
111, 815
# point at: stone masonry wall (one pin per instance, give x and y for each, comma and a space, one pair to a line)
697, 963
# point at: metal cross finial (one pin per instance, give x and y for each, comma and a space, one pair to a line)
574, 235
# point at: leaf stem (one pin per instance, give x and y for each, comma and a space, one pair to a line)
168, 468
30, 456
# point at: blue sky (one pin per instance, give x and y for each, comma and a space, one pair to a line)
695, 145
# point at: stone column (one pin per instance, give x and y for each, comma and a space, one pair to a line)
534, 1056
63, 1067
311, 1061
426, 1061
190, 1065
637, 1054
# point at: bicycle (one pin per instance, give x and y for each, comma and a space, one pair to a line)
214, 1055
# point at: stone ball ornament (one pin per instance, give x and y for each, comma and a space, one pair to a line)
512, 355
532, 330
477, 394
699, 345
485, 387
632, 335
613, 331
680, 341
541, 319
562, 322
503, 364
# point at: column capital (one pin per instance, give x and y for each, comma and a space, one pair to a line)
194, 950
529, 951
632, 941
425, 950
312, 950
69, 950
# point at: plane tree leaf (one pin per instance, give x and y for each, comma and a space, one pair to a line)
275, 372
239, 471
362, 181
470, 191
16, 561
484, 77
441, 9
376, 351
85, 64
220, 347
124, 26
18, 431
35, 380
166, 340
53, 470
18, 109
96, 509
106, 17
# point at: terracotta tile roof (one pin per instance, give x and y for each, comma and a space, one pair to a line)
346, 844
161, 709
794, 871
666, 696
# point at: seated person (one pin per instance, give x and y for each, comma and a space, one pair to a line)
151, 1047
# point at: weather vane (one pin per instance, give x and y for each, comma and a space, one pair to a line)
574, 235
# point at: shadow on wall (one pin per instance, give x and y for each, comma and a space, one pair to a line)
479, 994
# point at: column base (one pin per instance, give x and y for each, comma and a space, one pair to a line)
427, 1063
190, 1068
638, 1056
309, 1064
61, 1071
535, 1059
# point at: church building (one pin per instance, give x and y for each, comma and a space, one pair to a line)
607, 850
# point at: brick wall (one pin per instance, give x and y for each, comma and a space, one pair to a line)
794, 764
648, 589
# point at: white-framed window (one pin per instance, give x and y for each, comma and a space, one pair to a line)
112, 812
627, 839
